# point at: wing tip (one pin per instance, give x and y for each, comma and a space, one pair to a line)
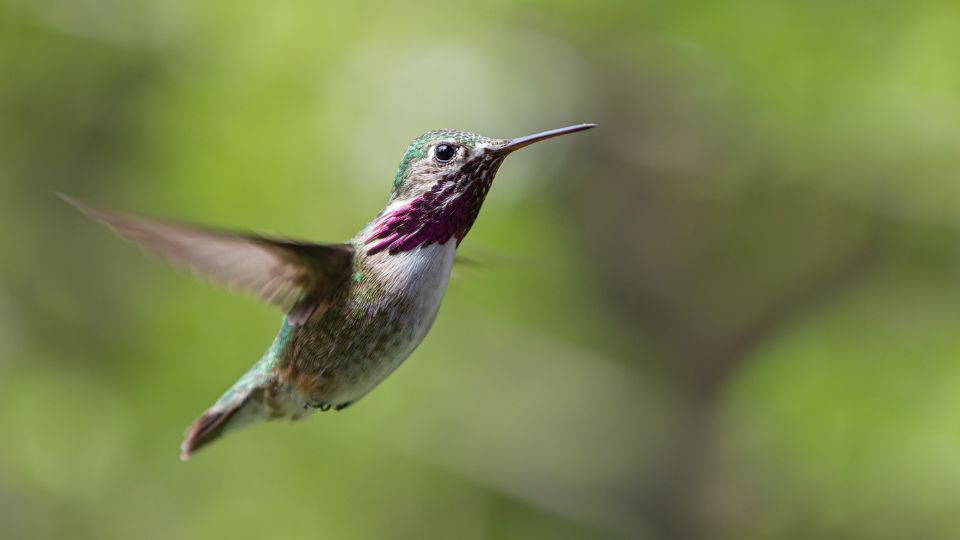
72, 201
84, 208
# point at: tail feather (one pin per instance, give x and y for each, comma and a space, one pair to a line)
257, 395
208, 428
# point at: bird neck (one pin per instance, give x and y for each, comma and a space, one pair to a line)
447, 210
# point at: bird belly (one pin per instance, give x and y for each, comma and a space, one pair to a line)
391, 308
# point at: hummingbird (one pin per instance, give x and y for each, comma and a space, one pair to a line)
354, 311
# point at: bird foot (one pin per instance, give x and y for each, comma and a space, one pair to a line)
323, 406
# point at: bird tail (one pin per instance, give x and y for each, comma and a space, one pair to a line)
244, 403
208, 428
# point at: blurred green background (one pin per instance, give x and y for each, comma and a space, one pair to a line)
730, 312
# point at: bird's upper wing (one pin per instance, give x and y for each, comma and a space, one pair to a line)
298, 276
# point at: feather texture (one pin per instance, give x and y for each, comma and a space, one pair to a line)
296, 276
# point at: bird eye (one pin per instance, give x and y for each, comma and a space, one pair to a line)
444, 152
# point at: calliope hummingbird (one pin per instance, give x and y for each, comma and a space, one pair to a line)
354, 311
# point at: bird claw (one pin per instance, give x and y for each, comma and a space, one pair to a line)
323, 406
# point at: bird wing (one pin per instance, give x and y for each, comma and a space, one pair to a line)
296, 276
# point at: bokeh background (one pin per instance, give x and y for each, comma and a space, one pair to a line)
730, 312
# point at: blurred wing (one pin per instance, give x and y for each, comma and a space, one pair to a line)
297, 276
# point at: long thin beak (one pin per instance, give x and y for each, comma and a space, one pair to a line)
520, 142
